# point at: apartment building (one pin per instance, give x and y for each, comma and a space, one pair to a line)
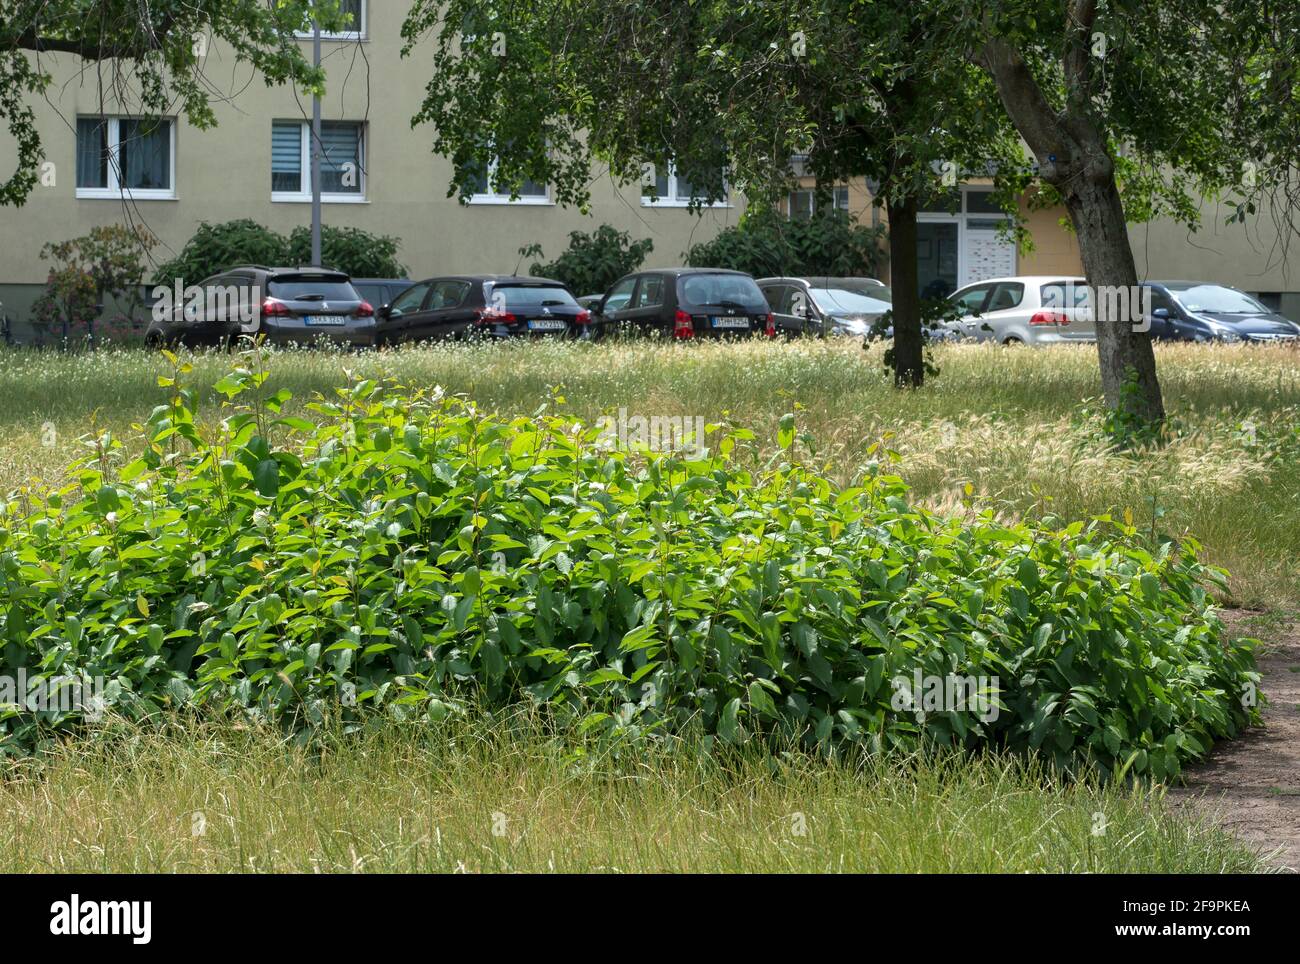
106, 166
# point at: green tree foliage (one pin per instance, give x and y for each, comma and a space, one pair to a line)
726, 93
592, 262
218, 247
1135, 109
766, 244
149, 56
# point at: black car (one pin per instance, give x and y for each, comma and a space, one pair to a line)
283, 305
687, 303
826, 306
490, 306
1199, 311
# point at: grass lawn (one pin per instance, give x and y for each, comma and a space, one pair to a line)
1020, 427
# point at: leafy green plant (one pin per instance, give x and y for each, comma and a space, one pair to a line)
106, 262
592, 262
218, 247
767, 244
359, 253
406, 554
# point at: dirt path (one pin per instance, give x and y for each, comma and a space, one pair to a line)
1252, 784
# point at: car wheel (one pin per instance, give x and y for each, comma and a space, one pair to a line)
1013, 340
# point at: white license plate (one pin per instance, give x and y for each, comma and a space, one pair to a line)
323, 319
730, 322
548, 324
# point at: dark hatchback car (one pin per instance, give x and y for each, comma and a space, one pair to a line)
1196, 311
489, 306
687, 303
284, 305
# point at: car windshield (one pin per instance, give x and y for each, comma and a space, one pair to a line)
841, 301
529, 296
723, 290
1217, 298
312, 289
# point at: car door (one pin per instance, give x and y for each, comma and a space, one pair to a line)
779, 299
1164, 315
970, 305
404, 310
445, 314
645, 308
614, 307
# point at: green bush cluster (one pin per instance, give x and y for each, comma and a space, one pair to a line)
767, 244
215, 248
402, 553
593, 262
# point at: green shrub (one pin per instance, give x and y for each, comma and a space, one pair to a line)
593, 262
767, 244
219, 247
359, 253
409, 555
215, 248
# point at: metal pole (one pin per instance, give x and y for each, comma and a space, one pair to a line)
315, 153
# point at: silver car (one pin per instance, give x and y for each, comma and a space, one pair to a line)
826, 306
1028, 310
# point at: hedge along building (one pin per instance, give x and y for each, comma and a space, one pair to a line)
379, 174
958, 243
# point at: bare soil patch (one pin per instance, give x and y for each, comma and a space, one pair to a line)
1251, 785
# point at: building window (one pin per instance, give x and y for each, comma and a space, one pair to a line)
669, 190
487, 191
342, 165
803, 202
357, 8
126, 157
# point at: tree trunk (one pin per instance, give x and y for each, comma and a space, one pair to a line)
1125, 354
1073, 157
909, 345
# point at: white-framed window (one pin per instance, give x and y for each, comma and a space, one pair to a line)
487, 191
666, 189
130, 157
358, 32
342, 165
803, 201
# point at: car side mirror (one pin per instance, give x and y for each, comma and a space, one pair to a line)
1162, 313
384, 311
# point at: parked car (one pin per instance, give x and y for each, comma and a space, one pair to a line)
285, 305
1199, 311
687, 303
380, 291
495, 306
826, 306
1028, 310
